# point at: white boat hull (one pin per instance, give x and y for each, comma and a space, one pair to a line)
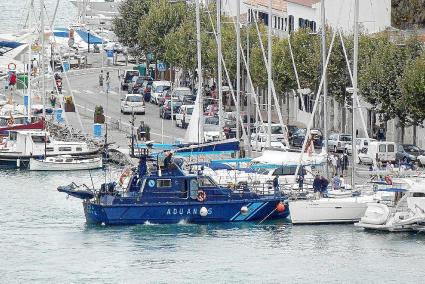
327, 210
43, 165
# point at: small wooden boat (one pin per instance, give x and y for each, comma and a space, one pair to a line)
65, 163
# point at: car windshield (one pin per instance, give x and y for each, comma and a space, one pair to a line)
345, 138
230, 123
412, 148
131, 74
161, 88
189, 110
183, 93
277, 129
211, 120
134, 99
140, 80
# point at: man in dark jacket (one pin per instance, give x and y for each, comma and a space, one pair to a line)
323, 186
317, 185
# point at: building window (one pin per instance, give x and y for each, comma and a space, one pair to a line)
286, 23
291, 23
313, 26
164, 183
300, 23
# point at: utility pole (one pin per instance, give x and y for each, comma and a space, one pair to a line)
269, 77
238, 69
325, 86
219, 71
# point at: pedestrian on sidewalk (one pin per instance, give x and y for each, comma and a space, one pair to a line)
52, 99
108, 82
101, 78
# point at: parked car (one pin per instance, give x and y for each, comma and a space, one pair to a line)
338, 142
184, 115
413, 150
402, 156
384, 151
277, 131
132, 103
137, 84
126, 78
165, 109
298, 137
291, 130
259, 142
362, 144
146, 89
211, 129
183, 94
158, 88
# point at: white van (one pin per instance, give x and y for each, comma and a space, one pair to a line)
184, 115
127, 77
384, 151
158, 89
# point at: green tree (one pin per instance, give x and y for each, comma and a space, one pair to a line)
126, 25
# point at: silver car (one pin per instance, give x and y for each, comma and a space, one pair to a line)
338, 142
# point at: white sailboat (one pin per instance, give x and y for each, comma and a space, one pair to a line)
333, 210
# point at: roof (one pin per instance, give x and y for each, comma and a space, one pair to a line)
279, 5
307, 3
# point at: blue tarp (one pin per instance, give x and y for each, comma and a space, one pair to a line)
61, 33
9, 44
93, 39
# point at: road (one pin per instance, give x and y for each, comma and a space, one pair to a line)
88, 94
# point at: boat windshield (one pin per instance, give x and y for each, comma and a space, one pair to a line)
277, 129
205, 181
40, 139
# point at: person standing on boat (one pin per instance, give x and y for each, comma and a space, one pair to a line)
276, 184
323, 186
317, 185
167, 160
336, 182
301, 179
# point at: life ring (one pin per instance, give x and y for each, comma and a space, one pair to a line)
388, 180
202, 196
10, 65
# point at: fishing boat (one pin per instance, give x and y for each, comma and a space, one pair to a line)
405, 213
65, 163
168, 195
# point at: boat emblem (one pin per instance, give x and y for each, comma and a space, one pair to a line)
151, 183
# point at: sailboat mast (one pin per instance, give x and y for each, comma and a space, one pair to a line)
355, 90
43, 83
238, 69
219, 70
200, 83
29, 62
269, 76
325, 85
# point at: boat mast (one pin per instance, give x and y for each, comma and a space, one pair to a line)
219, 70
238, 69
29, 62
355, 71
43, 83
325, 85
269, 76
200, 83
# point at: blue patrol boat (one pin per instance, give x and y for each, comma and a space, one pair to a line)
167, 194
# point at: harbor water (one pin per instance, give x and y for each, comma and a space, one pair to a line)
45, 240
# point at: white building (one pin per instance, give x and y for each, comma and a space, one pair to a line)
291, 15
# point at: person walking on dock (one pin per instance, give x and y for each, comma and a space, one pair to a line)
317, 185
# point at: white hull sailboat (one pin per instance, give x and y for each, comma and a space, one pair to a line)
65, 163
328, 210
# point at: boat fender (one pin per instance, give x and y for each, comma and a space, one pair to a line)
280, 207
202, 196
244, 210
388, 180
123, 176
203, 212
